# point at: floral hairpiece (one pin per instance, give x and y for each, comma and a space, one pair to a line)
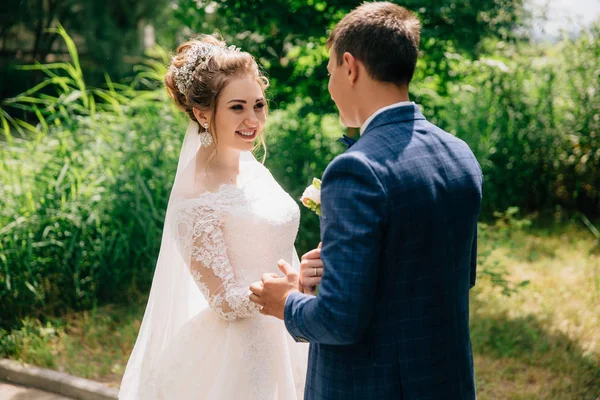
197, 54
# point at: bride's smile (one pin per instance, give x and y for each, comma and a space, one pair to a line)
240, 115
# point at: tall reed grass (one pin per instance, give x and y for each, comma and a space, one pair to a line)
83, 191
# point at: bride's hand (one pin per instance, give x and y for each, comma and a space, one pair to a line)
311, 270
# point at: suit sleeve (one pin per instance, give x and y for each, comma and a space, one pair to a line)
353, 206
473, 274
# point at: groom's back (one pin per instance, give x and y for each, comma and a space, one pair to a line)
433, 185
417, 342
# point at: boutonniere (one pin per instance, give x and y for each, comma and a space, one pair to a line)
311, 198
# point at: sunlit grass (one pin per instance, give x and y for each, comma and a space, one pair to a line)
543, 342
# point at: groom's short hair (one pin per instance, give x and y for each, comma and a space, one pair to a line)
383, 36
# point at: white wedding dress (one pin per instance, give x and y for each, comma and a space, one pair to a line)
223, 349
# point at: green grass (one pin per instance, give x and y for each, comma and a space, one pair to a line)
542, 342
92, 344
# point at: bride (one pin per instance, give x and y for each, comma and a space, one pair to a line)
226, 222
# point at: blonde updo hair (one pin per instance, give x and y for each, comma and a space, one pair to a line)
210, 78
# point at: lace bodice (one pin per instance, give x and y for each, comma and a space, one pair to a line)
232, 236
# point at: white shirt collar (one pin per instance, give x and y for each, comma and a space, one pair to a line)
376, 113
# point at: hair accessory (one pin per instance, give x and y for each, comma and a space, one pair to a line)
198, 54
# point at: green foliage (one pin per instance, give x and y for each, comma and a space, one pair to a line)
82, 212
505, 226
300, 145
288, 37
93, 344
32, 337
530, 114
110, 35
83, 196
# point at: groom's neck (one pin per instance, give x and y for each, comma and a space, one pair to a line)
377, 95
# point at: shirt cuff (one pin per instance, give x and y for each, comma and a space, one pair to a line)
289, 317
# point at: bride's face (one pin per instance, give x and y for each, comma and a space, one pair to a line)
240, 114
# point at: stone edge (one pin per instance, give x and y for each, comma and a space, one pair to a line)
56, 382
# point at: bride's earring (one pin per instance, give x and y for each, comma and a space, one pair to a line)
205, 137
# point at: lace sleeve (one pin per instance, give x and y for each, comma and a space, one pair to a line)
201, 232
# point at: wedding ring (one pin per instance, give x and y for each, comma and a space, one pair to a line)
316, 272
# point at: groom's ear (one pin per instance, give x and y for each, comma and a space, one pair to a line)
351, 65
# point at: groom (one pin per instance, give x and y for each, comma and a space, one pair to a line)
398, 229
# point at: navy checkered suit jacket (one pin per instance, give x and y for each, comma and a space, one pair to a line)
399, 231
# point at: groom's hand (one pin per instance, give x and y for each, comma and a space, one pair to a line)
311, 270
272, 292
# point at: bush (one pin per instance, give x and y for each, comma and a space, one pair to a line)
83, 210
84, 194
532, 117
300, 144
